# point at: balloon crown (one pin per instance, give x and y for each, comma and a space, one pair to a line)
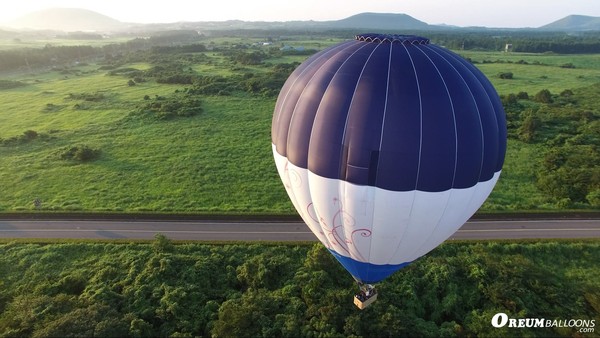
392, 38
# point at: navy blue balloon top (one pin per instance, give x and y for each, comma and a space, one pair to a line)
394, 112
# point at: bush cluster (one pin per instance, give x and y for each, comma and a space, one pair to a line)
80, 153
91, 97
568, 125
505, 75
26, 137
171, 68
10, 84
165, 108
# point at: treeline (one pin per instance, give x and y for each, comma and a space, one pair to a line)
236, 290
566, 46
47, 56
527, 41
50, 55
523, 42
567, 125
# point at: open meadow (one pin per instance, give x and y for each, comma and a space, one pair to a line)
174, 130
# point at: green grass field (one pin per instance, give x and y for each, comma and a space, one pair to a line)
539, 71
218, 161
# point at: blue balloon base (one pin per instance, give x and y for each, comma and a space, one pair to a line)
366, 272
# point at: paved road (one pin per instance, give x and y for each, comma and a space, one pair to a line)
273, 231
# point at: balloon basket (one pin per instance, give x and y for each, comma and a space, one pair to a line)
366, 296
362, 304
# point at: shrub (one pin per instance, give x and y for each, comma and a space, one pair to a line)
570, 172
506, 75
126, 72
27, 136
528, 128
162, 244
30, 134
509, 100
543, 96
80, 153
163, 108
9, 84
594, 198
566, 93
51, 108
92, 97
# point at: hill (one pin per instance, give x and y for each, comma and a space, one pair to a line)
362, 21
75, 19
67, 19
381, 21
574, 23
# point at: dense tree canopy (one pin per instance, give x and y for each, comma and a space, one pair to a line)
243, 290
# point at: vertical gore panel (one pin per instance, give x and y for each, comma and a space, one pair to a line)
401, 129
325, 153
437, 150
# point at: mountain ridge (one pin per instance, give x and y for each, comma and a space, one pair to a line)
76, 19
574, 23
370, 20
68, 20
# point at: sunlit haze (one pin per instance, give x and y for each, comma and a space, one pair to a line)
506, 13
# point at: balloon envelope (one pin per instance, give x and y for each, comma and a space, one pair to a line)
386, 145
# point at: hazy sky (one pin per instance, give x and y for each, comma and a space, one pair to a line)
499, 13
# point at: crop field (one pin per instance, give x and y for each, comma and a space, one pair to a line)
89, 137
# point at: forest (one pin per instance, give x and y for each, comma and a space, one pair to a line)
162, 288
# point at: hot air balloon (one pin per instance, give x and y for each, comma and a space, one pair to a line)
386, 145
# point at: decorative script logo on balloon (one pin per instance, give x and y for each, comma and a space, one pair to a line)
583, 325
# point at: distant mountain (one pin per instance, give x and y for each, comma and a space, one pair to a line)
68, 20
74, 19
384, 21
574, 23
